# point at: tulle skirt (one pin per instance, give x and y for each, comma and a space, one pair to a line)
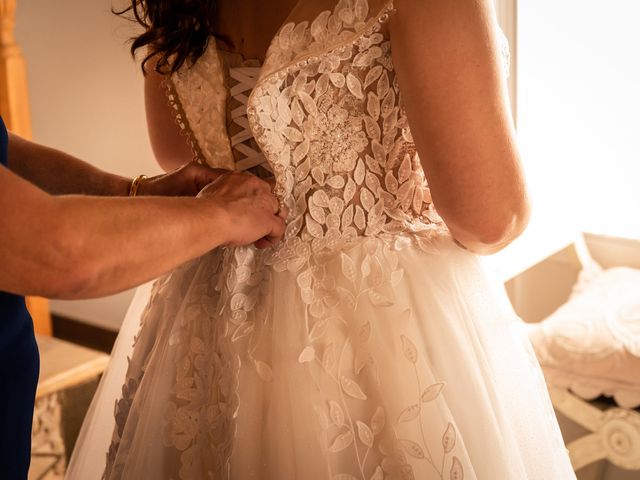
384, 360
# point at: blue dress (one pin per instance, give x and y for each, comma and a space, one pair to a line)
19, 367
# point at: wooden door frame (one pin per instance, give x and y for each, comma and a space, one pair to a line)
14, 108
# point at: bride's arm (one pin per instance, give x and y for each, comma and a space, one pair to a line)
170, 147
449, 70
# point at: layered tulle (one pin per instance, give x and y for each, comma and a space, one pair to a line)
413, 365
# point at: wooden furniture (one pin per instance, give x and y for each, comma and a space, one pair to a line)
613, 432
576, 376
14, 108
69, 376
596, 429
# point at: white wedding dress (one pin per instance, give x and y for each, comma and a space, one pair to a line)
367, 345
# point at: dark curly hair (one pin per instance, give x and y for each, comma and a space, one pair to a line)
176, 31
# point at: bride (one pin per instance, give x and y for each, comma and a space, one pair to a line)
370, 343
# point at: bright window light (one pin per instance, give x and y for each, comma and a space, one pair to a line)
579, 111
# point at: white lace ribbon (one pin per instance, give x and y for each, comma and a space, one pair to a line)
246, 78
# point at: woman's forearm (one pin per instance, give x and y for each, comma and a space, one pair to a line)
75, 247
59, 173
80, 247
132, 240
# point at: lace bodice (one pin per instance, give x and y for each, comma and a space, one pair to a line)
327, 113
210, 104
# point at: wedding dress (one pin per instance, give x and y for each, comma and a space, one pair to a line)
367, 345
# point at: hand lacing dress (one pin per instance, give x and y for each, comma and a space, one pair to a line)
367, 345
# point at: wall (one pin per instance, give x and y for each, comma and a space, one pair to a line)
86, 99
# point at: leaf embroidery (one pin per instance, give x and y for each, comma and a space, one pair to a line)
456, 472
313, 227
322, 85
405, 170
409, 413
307, 355
264, 371
351, 388
347, 216
309, 104
318, 176
373, 182
301, 152
409, 349
354, 86
383, 85
319, 329
342, 441
359, 218
359, 172
321, 199
396, 277
337, 79
242, 331
377, 421
347, 297
365, 434
372, 75
449, 438
391, 183
329, 357
336, 206
373, 105
349, 190
293, 134
379, 299
336, 182
348, 268
366, 199
336, 413
412, 448
432, 392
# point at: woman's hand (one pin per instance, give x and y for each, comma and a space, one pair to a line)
251, 211
186, 181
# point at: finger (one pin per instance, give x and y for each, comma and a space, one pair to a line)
264, 185
223, 174
272, 182
213, 186
278, 228
273, 203
203, 175
263, 244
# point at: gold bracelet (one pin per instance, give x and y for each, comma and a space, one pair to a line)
135, 185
